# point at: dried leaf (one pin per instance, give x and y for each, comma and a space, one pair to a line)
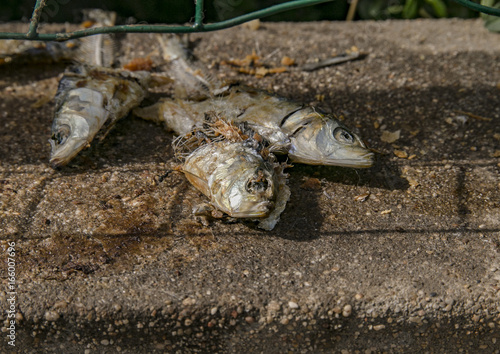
139, 64
253, 25
287, 61
362, 197
401, 154
311, 184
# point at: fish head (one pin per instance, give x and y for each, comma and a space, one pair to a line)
250, 193
322, 140
70, 135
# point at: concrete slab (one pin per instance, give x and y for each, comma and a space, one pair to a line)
402, 257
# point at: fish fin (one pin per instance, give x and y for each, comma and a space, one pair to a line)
98, 50
160, 79
198, 182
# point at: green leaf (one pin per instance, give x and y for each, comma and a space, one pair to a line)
492, 23
439, 7
410, 9
371, 9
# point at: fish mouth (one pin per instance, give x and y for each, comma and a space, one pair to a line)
63, 154
362, 161
57, 162
257, 210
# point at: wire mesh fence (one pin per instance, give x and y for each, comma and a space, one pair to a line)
196, 25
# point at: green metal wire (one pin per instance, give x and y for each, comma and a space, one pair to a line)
480, 8
197, 26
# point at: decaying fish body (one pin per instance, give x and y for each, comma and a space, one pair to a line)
238, 179
305, 134
88, 101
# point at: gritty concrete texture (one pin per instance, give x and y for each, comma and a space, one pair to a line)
402, 257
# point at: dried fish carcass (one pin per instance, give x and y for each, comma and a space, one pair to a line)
90, 101
301, 131
239, 180
304, 133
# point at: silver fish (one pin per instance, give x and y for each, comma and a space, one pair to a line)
90, 100
238, 179
301, 131
305, 134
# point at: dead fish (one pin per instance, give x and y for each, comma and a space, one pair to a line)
303, 132
237, 178
89, 101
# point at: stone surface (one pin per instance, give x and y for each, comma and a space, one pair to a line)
399, 257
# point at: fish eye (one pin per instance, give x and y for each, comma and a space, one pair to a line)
258, 183
343, 136
62, 134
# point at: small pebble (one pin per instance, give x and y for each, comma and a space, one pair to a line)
293, 305
51, 316
188, 301
273, 306
347, 311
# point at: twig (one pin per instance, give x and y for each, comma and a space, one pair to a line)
475, 116
352, 10
333, 61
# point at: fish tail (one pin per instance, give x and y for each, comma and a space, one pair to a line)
192, 81
98, 50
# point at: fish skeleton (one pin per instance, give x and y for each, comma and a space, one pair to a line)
90, 100
233, 173
303, 132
